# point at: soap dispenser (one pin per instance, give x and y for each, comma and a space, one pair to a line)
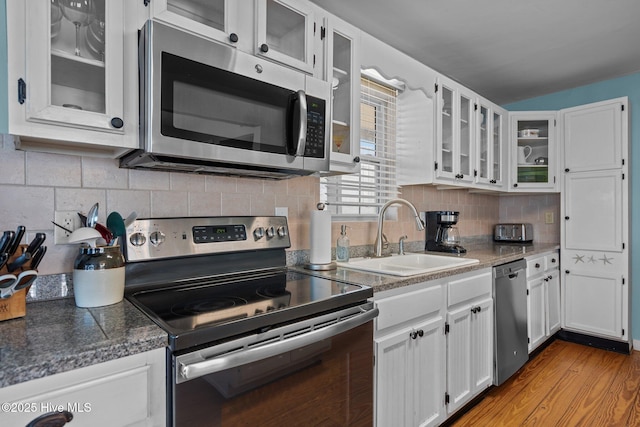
342, 245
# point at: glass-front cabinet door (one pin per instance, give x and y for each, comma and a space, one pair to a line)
285, 32
490, 147
344, 71
533, 151
74, 64
454, 133
215, 19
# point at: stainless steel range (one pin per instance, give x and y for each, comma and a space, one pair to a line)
250, 341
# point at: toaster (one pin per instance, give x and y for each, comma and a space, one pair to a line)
513, 233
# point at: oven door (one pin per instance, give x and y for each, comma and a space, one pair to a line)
317, 371
212, 102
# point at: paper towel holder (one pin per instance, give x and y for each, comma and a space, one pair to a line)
321, 267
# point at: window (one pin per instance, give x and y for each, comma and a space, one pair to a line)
360, 196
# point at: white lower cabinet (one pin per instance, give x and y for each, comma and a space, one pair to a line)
433, 343
603, 312
129, 391
543, 298
410, 358
469, 337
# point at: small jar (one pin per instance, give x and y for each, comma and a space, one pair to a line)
98, 276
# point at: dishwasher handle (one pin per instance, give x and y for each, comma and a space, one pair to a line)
194, 370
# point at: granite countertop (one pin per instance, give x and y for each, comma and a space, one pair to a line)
489, 255
56, 336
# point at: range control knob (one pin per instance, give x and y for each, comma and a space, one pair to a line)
282, 231
137, 239
258, 233
157, 238
271, 232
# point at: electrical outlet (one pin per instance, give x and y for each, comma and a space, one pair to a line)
548, 217
69, 220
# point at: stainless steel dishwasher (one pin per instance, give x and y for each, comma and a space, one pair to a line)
510, 293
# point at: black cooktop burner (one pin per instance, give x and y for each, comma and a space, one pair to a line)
220, 307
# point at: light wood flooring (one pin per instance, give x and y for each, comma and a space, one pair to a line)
566, 384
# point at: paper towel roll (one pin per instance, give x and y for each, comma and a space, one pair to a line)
320, 230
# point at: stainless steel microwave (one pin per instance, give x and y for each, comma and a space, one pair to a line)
209, 108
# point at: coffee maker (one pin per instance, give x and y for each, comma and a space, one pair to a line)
441, 232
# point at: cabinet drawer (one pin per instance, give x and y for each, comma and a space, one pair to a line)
470, 287
536, 266
127, 391
398, 309
552, 260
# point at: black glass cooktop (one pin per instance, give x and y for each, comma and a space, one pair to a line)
204, 310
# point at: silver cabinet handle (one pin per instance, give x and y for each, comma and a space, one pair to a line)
253, 354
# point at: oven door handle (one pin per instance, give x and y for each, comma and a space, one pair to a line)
194, 370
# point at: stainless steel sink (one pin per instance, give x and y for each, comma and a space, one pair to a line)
410, 264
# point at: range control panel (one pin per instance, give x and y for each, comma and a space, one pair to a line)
156, 238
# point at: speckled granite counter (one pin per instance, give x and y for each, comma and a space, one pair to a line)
489, 255
56, 336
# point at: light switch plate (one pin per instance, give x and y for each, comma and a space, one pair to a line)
548, 217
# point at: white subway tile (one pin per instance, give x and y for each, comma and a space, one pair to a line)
103, 173
169, 203
57, 170
127, 201
148, 180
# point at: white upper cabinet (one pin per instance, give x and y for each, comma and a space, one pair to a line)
586, 127
490, 147
343, 69
534, 159
214, 19
285, 32
455, 135
71, 64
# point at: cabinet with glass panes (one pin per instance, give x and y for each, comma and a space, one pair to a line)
533, 156
70, 64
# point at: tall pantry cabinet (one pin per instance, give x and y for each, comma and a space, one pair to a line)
595, 227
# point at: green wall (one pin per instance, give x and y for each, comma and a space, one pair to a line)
623, 86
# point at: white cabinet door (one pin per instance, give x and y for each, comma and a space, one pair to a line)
594, 136
215, 19
69, 84
285, 32
490, 148
343, 68
427, 376
459, 374
455, 134
593, 303
482, 344
536, 313
533, 151
553, 302
593, 211
393, 399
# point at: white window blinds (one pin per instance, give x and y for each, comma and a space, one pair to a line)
362, 194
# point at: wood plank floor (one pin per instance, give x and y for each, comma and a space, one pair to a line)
566, 384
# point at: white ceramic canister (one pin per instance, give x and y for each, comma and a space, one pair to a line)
98, 276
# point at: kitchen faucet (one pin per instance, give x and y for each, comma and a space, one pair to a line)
378, 242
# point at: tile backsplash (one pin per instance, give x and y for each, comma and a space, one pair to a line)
34, 185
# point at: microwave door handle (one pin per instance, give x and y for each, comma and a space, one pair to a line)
297, 147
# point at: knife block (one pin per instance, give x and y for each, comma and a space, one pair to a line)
16, 305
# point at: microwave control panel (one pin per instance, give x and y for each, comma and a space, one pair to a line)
316, 108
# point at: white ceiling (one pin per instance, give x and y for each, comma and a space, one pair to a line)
507, 50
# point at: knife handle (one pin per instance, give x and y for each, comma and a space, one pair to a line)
16, 240
36, 243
